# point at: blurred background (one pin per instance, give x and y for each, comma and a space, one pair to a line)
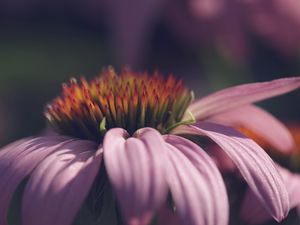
210, 44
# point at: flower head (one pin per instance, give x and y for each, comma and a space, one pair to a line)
121, 134
130, 101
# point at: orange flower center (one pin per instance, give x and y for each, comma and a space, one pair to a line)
129, 100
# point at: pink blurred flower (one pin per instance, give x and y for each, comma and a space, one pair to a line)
229, 26
130, 23
142, 164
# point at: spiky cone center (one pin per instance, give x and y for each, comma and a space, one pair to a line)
87, 109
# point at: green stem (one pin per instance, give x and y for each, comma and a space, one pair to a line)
185, 122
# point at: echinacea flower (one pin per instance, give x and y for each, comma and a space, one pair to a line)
124, 131
257, 214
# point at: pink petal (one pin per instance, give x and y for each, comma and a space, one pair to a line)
241, 95
256, 213
135, 169
260, 122
59, 185
17, 161
223, 161
253, 211
253, 163
208, 173
190, 190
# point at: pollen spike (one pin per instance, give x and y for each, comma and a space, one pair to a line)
73, 81
129, 100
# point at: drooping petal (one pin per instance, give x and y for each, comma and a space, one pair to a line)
17, 161
260, 122
257, 214
190, 191
254, 164
253, 211
241, 95
59, 185
210, 174
223, 161
135, 169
